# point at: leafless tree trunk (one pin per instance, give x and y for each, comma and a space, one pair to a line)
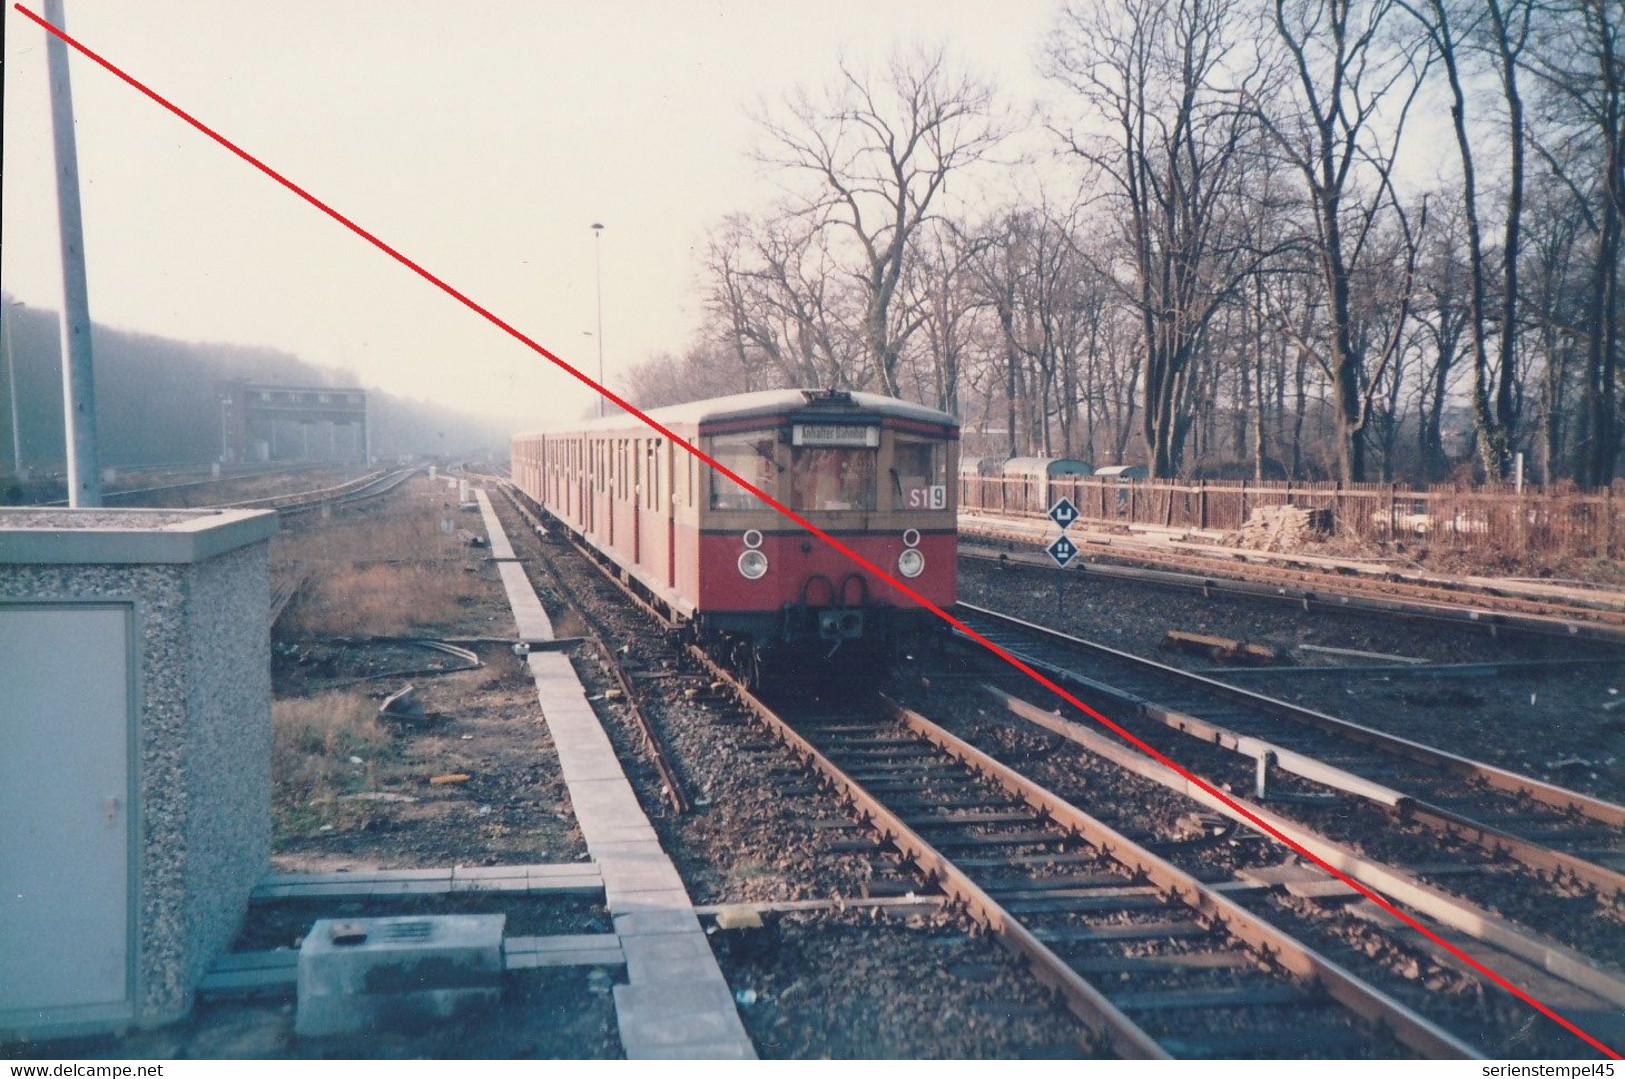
879, 149
1343, 73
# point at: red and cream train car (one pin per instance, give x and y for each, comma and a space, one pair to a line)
873, 471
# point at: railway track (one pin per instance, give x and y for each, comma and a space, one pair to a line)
358, 490
1546, 856
191, 480
1555, 831
1494, 611
1155, 962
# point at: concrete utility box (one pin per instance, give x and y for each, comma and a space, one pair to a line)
370, 974
135, 758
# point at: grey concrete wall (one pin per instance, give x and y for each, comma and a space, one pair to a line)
228, 761
203, 814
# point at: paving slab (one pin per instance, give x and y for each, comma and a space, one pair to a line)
597, 832
563, 950
621, 876
500, 547
667, 956
637, 923
678, 1018
674, 899
530, 619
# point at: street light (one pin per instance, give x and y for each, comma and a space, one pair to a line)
598, 270
11, 387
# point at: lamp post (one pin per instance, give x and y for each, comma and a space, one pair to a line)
598, 272
11, 392
78, 366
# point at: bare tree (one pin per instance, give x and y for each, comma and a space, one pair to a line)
941, 287
1346, 68
1448, 24
1581, 67
1158, 73
779, 303
879, 149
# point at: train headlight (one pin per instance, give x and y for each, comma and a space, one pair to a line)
753, 538
911, 563
911, 537
752, 565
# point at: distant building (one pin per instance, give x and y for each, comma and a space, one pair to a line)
294, 423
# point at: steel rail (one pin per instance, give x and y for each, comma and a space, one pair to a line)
369, 486
234, 476
679, 800
1092, 1007
1265, 938
1560, 865
1558, 797
1083, 1000
1398, 884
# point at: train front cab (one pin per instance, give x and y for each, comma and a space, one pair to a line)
784, 599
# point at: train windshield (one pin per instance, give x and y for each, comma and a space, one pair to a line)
749, 455
832, 478
919, 475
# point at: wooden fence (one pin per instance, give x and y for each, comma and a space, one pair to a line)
1562, 521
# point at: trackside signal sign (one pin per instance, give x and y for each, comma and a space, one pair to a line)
1062, 550
1063, 513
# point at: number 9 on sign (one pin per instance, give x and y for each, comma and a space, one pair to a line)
927, 498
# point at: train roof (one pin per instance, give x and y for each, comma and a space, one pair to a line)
768, 403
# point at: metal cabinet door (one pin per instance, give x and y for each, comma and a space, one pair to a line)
65, 784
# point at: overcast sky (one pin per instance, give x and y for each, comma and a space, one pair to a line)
482, 139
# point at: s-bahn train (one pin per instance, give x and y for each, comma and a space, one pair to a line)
747, 583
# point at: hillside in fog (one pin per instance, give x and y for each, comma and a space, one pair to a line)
158, 400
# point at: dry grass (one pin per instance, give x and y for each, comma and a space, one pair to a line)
380, 575
313, 741
379, 600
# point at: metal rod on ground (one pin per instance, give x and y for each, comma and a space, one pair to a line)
78, 367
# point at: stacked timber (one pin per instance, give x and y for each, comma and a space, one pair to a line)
1282, 528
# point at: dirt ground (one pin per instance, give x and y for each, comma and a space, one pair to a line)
475, 781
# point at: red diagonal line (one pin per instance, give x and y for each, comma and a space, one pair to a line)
785, 511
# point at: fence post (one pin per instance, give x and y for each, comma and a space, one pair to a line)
1610, 507
1393, 511
1243, 519
1201, 495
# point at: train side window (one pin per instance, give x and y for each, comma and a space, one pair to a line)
747, 455
919, 475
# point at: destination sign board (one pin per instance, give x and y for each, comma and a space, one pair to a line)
833, 434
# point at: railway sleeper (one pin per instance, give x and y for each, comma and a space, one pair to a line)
1333, 1040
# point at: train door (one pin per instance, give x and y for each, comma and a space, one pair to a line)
669, 505
638, 480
